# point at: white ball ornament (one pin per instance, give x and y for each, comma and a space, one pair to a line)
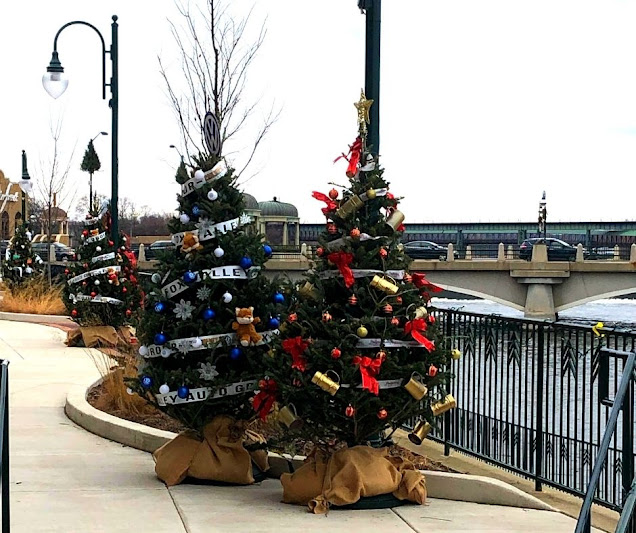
164, 389
197, 343
184, 218
156, 278
98, 249
165, 352
213, 195
219, 252
96, 282
143, 350
227, 298
124, 239
28, 270
199, 175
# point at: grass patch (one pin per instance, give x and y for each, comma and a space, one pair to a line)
33, 296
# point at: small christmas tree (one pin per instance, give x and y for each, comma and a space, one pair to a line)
359, 352
102, 287
210, 314
21, 263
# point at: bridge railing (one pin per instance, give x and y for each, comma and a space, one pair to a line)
528, 399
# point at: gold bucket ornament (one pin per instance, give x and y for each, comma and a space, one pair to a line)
444, 405
326, 383
420, 432
416, 387
395, 219
384, 285
289, 416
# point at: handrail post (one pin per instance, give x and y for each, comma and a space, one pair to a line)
538, 462
628, 445
447, 415
6, 518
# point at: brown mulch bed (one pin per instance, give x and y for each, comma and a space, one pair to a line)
159, 420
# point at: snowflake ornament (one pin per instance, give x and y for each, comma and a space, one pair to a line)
203, 293
183, 310
204, 226
207, 371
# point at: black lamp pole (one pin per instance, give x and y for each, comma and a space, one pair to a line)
372, 9
55, 84
25, 176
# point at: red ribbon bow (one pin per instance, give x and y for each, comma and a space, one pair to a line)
420, 281
331, 205
342, 260
369, 368
355, 150
265, 399
131, 257
415, 327
295, 347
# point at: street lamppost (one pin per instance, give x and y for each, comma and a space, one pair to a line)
372, 9
180, 154
25, 185
91, 164
543, 214
55, 84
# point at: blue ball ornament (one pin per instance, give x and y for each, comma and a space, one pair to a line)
160, 307
196, 211
146, 382
245, 263
273, 323
268, 250
160, 338
189, 277
279, 298
208, 314
183, 392
235, 353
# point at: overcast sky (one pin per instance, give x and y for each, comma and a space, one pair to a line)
485, 104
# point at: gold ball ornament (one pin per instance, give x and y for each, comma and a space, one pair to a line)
456, 354
371, 194
362, 332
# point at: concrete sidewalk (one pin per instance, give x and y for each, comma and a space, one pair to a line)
66, 480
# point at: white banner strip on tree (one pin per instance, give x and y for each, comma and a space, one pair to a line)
96, 238
211, 231
384, 384
208, 341
210, 176
339, 243
363, 273
103, 257
225, 272
97, 299
206, 393
95, 272
388, 343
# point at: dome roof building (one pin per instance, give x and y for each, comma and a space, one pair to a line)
279, 222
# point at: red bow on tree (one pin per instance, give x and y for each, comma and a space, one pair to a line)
353, 157
131, 257
265, 399
342, 260
415, 328
295, 347
331, 205
420, 281
369, 368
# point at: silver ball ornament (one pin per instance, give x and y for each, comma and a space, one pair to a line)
219, 252
184, 218
227, 298
164, 389
143, 350
212, 195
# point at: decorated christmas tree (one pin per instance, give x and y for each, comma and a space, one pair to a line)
102, 288
210, 314
21, 263
359, 353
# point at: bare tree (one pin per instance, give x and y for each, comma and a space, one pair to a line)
215, 59
53, 185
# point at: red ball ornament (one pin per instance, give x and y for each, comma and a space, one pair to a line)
319, 251
398, 300
336, 353
262, 384
74, 313
381, 355
353, 300
408, 278
85, 266
333, 194
382, 414
85, 233
292, 317
66, 271
355, 233
332, 229
93, 294
124, 289
389, 196
395, 321
111, 243
432, 371
326, 317
84, 283
128, 312
383, 253
350, 411
388, 309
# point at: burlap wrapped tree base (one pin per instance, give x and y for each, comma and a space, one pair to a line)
350, 474
100, 336
219, 456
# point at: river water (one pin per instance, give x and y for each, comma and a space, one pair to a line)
614, 312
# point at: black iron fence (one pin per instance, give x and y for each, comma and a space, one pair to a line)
4, 444
528, 399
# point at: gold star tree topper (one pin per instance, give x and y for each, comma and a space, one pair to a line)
363, 105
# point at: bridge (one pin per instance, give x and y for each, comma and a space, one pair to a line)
540, 288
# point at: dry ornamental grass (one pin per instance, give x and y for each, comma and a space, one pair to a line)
33, 296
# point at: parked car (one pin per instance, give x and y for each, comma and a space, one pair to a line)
427, 250
62, 252
558, 250
604, 252
159, 247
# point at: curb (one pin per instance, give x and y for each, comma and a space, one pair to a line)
36, 319
443, 485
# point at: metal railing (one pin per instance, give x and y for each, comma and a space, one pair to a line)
4, 444
527, 396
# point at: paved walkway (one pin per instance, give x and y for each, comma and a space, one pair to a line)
66, 480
